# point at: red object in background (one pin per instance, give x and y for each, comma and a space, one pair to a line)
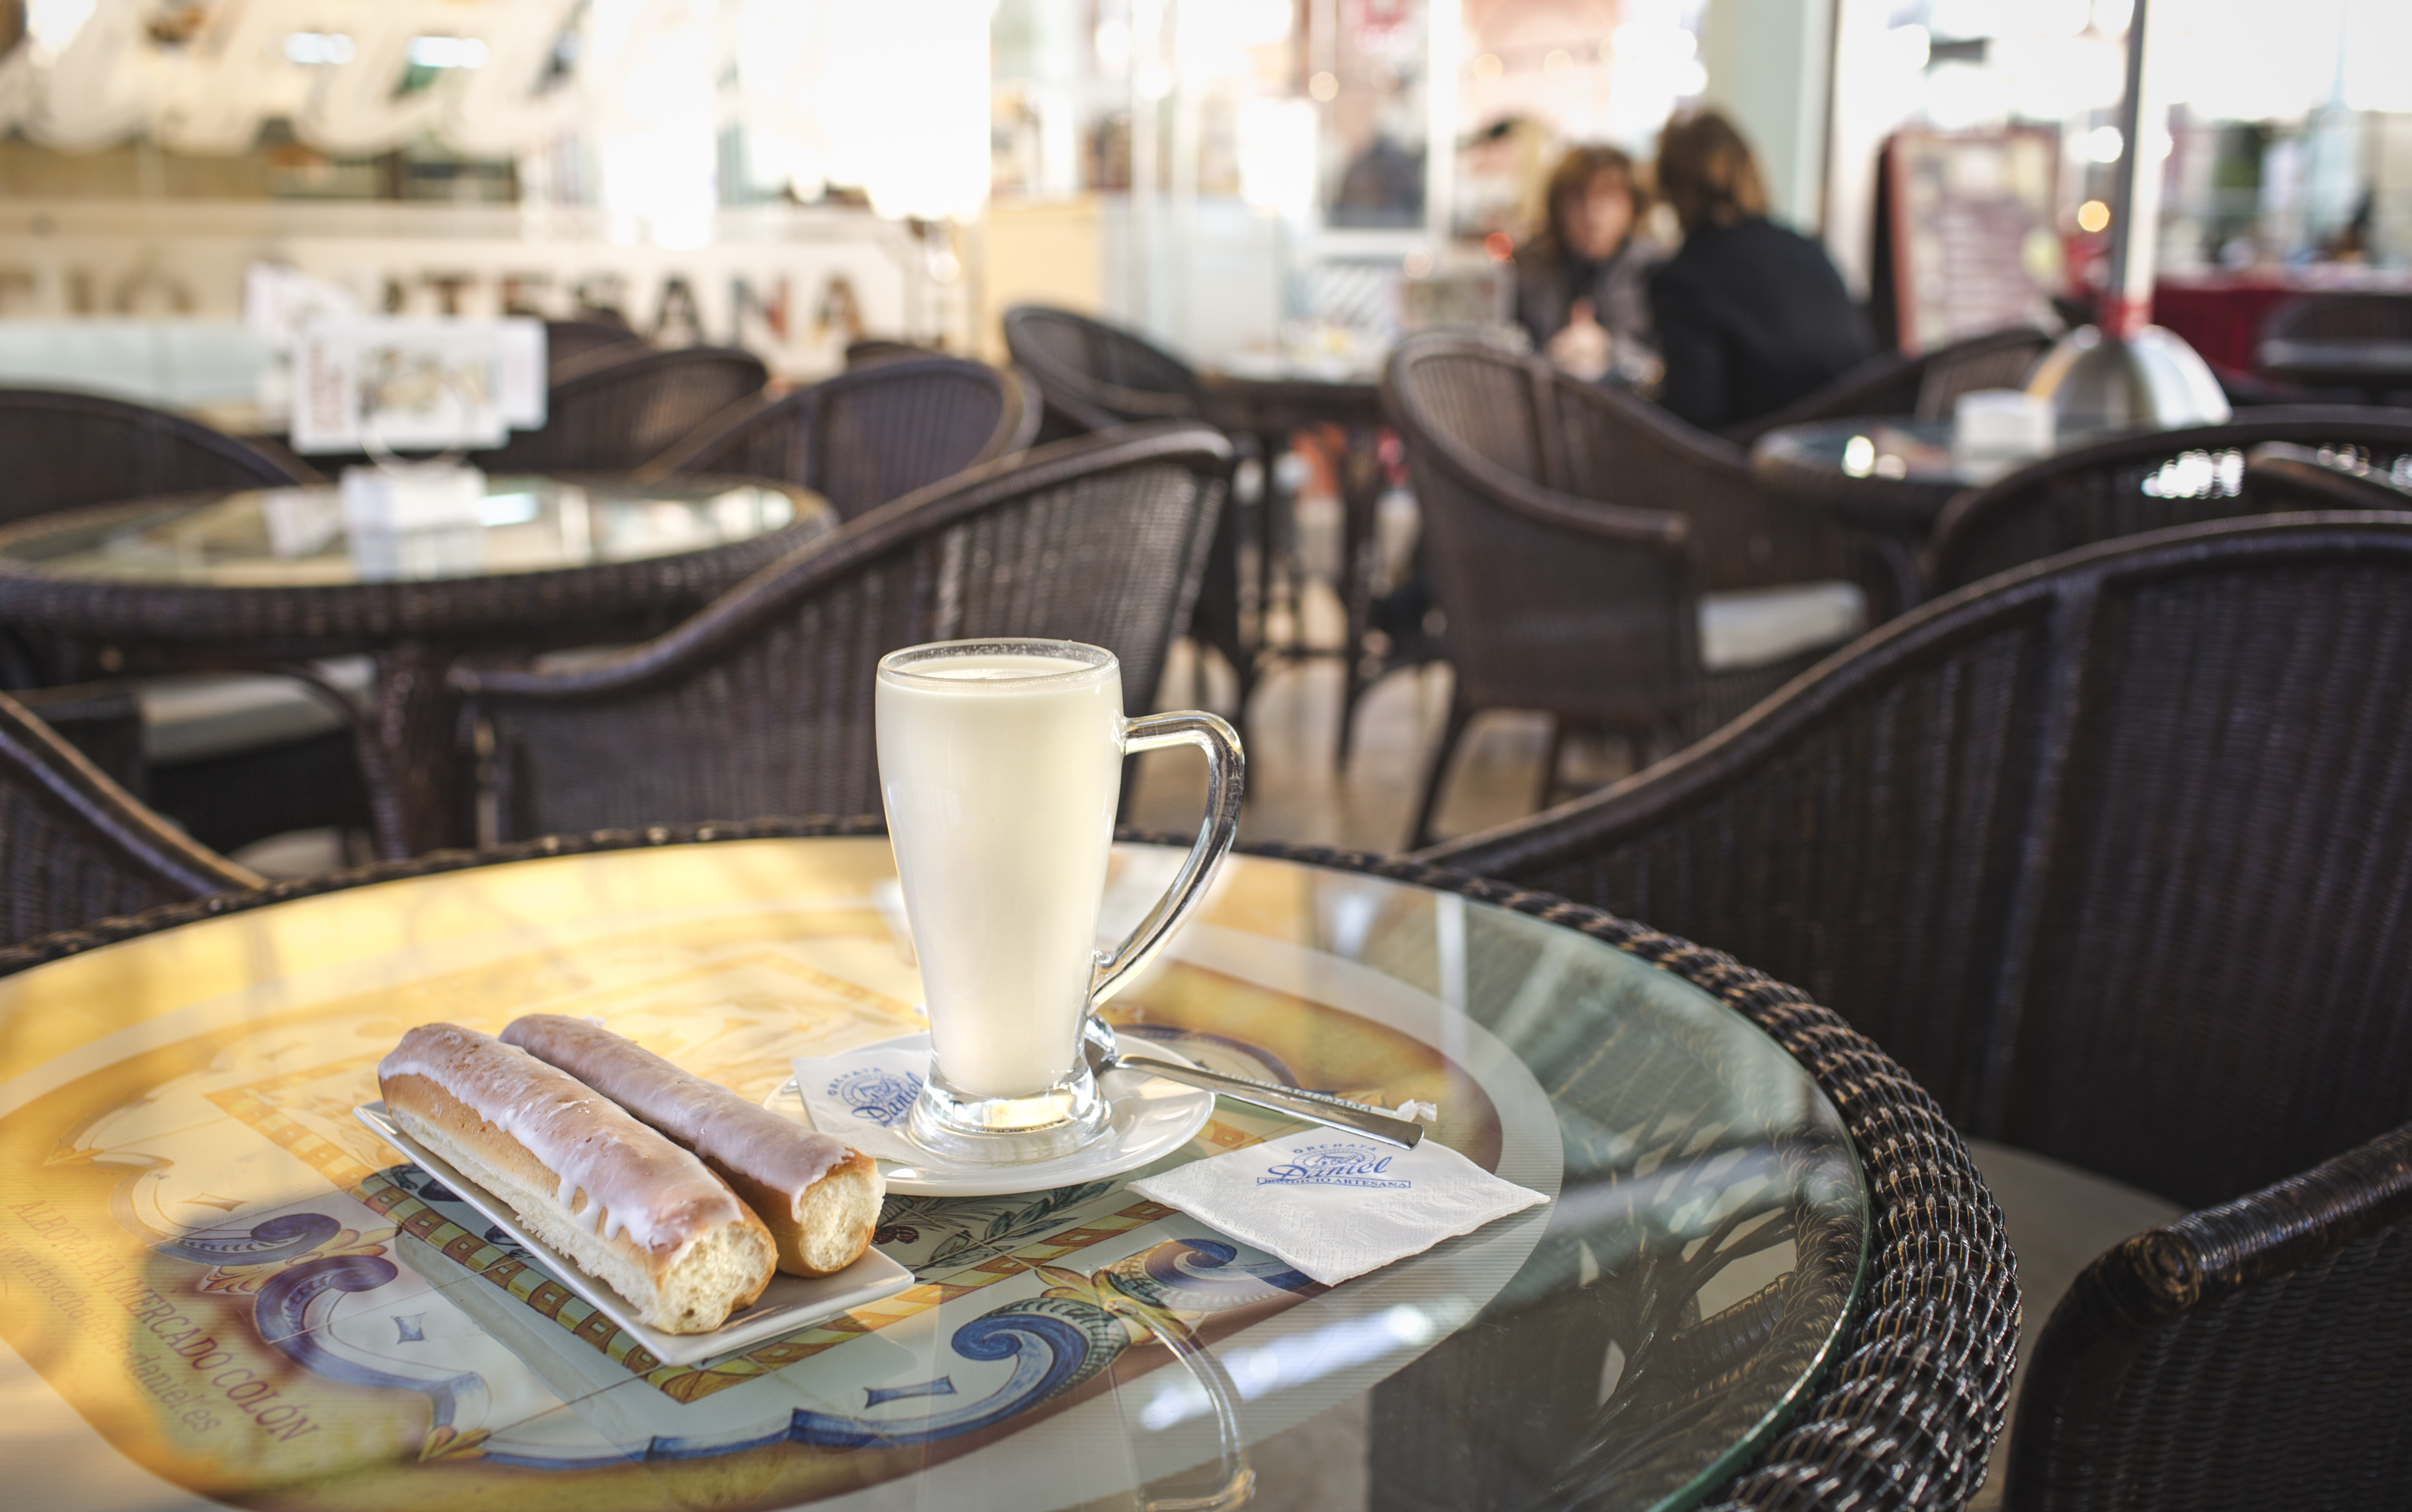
2219, 318
1500, 247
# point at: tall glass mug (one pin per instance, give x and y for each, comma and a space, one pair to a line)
1001, 765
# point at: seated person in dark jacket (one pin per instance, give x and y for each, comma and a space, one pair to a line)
1750, 316
1583, 284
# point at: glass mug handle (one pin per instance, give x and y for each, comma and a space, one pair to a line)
1226, 783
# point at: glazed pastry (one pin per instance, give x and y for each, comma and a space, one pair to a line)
620, 1201
820, 1197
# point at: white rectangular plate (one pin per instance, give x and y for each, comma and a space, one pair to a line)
787, 1304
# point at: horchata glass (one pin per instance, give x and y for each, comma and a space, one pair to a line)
1000, 766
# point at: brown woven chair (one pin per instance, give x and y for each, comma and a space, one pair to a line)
76, 848
1925, 387
1570, 531
762, 703
1094, 376
1608, 447
2130, 484
65, 450
570, 346
625, 412
1585, 611
2109, 851
868, 436
2340, 316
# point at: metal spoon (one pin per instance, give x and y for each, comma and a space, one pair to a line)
1098, 1045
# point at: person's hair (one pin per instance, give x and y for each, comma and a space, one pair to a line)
1572, 179
1706, 172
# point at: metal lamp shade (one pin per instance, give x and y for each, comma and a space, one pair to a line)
2151, 381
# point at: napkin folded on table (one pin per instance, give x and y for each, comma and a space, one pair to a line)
863, 1096
1336, 1205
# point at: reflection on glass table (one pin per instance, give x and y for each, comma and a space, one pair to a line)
515, 523
1629, 1345
278, 579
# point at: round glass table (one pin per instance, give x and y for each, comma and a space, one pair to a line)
277, 578
215, 1285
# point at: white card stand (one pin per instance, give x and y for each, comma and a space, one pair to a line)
1996, 430
415, 520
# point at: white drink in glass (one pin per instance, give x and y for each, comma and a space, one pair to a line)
1000, 764
1001, 771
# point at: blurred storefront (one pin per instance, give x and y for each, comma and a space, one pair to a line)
1233, 176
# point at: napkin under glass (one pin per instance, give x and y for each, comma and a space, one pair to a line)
1335, 1205
863, 1096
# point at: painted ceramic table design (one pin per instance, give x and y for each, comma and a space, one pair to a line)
216, 1285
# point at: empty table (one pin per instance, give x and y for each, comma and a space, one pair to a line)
276, 578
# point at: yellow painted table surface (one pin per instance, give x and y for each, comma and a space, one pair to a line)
216, 1287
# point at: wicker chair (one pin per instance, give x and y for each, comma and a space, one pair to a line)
1572, 533
76, 848
2279, 475
2135, 483
2340, 317
64, 450
570, 346
1094, 376
625, 412
762, 703
1925, 387
2061, 842
868, 436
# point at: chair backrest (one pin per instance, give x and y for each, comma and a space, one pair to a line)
2130, 484
75, 846
2280, 474
2110, 852
1925, 387
1997, 360
761, 704
2340, 317
1602, 445
626, 411
1555, 601
65, 450
1092, 375
571, 346
869, 435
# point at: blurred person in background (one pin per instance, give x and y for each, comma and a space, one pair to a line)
1583, 289
1750, 316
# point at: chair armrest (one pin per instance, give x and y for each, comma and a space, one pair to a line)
2214, 1252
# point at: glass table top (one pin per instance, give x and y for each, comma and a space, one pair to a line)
303, 538
214, 1283
1896, 448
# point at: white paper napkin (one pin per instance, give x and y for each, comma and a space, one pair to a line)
1336, 1205
863, 1096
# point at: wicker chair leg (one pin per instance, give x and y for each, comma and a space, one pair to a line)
1436, 775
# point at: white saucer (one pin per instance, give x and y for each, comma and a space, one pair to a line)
1148, 1119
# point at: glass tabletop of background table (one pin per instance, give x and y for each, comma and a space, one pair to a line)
301, 537
217, 1285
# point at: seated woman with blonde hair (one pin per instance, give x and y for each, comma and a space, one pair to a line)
1583, 284
1750, 316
